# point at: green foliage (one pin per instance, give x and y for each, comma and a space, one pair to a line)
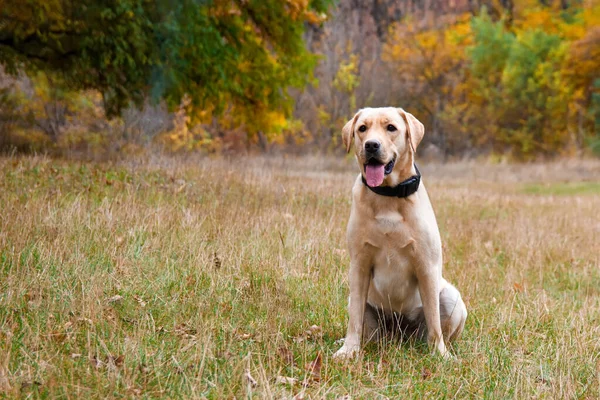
489, 35
346, 79
217, 52
40, 114
521, 80
522, 84
104, 45
518, 76
594, 141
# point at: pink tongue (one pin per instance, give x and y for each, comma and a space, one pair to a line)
374, 175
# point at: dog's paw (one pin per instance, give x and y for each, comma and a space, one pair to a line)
346, 352
449, 356
439, 347
444, 353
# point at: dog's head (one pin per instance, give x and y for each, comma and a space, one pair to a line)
385, 140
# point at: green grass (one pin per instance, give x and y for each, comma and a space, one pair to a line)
563, 188
178, 280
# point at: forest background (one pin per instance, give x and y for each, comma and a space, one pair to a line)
98, 79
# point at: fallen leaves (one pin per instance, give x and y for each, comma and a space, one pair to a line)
27, 385
426, 373
250, 380
96, 362
135, 391
108, 361
143, 368
115, 299
519, 288
286, 355
118, 361
185, 331
314, 332
313, 370
286, 380
58, 337
216, 261
68, 332
140, 301
244, 336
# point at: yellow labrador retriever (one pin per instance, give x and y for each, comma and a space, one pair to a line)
394, 242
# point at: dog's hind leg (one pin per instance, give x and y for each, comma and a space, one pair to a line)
453, 312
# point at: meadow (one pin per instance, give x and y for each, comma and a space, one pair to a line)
227, 278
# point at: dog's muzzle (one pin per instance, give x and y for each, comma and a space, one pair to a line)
375, 170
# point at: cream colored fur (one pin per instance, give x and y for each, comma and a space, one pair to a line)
394, 243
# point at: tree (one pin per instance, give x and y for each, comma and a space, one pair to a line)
582, 71
533, 80
429, 63
244, 52
524, 83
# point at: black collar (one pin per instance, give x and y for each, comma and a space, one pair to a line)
403, 189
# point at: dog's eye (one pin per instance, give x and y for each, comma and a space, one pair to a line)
362, 128
391, 128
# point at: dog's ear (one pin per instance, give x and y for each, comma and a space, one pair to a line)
348, 132
414, 129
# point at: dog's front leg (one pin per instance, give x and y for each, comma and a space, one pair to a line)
360, 276
429, 279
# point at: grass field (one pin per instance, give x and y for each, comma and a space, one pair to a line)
228, 279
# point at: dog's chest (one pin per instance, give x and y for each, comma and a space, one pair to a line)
391, 230
393, 283
389, 223
393, 280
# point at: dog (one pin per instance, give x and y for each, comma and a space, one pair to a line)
393, 239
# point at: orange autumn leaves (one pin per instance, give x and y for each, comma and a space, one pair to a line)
526, 86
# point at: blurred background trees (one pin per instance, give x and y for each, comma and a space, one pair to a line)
101, 77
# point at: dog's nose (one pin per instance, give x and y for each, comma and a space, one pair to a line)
372, 146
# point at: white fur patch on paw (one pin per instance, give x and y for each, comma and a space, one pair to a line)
346, 352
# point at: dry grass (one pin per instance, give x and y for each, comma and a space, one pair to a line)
212, 278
